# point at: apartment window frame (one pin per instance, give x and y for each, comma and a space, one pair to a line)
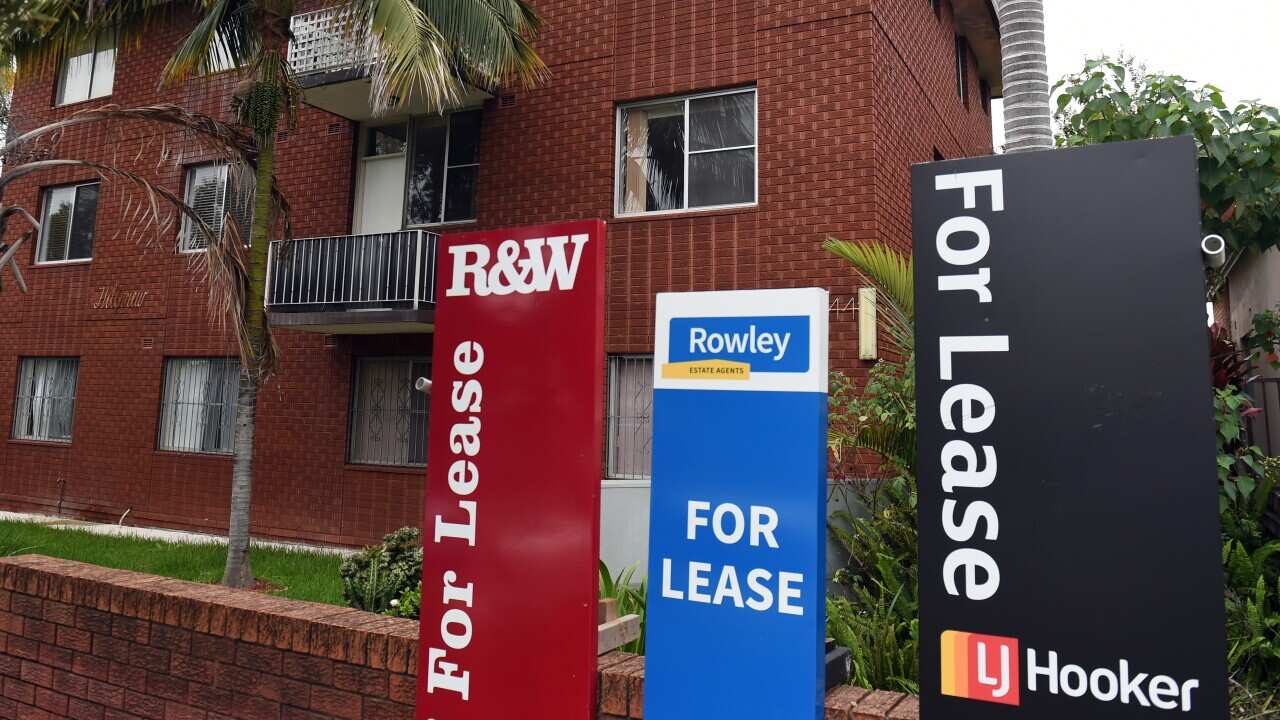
168, 423
187, 243
962, 69
411, 150
619, 158
614, 470
28, 417
64, 70
46, 201
355, 411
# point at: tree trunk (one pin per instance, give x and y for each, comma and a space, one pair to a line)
239, 572
1025, 68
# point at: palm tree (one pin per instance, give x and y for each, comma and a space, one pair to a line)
1026, 76
425, 49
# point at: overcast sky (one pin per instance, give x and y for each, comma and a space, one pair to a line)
1234, 44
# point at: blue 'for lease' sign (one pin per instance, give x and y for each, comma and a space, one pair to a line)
736, 613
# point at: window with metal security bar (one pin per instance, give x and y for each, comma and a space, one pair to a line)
687, 153
629, 419
88, 72
67, 223
198, 405
388, 415
46, 400
215, 192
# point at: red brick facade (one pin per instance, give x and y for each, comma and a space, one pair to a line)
80, 641
849, 94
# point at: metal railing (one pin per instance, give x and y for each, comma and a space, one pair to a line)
1264, 427
352, 272
629, 418
321, 42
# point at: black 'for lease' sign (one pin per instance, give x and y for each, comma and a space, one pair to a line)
1069, 538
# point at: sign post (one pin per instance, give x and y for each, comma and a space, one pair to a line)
736, 612
1069, 543
511, 532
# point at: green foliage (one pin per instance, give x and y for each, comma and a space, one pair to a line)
1253, 614
878, 618
880, 417
409, 604
1243, 483
1250, 557
1239, 147
632, 599
381, 573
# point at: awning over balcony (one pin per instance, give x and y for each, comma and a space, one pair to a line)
354, 284
333, 68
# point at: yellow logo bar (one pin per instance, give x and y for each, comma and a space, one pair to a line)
707, 370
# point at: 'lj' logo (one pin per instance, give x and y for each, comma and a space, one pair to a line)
980, 667
544, 264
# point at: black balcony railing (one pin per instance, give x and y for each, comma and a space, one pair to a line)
383, 271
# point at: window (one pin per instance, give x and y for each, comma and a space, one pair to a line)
984, 90
46, 400
67, 223
630, 417
444, 164
221, 56
693, 152
90, 71
388, 415
208, 188
937, 155
198, 407
962, 69
936, 6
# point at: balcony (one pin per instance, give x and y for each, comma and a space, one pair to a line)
354, 284
333, 66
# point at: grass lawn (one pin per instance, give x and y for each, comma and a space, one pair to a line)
300, 575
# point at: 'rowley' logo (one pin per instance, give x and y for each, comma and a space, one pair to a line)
980, 667
542, 264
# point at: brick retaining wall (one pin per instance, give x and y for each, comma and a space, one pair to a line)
86, 642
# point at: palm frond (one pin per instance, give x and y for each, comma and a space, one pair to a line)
491, 40
407, 55
143, 216
224, 34
893, 272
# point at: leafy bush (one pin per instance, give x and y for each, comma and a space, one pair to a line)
632, 600
409, 604
381, 573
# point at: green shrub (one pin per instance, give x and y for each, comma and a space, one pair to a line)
409, 604
381, 573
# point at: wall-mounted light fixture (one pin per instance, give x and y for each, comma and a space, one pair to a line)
867, 349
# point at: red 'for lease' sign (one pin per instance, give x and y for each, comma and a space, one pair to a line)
511, 530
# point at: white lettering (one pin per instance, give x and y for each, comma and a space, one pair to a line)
970, 181
975, 343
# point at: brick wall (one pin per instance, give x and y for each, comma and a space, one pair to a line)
80, 641
850, 94
90, 643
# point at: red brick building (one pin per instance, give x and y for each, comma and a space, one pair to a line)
800, 119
